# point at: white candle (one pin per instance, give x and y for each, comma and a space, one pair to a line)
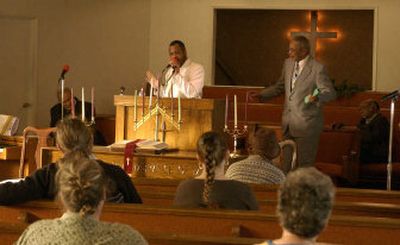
72, 103
235, 110
179, 108
83, 104
151, 96
142, 91
92, 108
135, 107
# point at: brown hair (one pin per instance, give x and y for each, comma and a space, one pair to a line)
263, 142
211, 149
81, 184
305, 201
72, 135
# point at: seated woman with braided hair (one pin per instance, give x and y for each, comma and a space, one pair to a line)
211, 188
81, 186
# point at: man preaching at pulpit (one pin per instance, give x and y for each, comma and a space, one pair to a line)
307, 87
181, 77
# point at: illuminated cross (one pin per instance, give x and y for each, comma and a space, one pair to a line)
314, 34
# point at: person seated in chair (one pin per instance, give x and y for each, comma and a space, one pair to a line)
258, 167
374, 133
211, 189
81, 186
72, 136
305, 201
55, 113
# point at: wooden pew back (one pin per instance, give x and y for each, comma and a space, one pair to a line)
220, 223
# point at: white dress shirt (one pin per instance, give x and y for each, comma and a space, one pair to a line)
188, 83
302, 63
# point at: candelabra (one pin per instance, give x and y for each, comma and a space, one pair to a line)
157, 110
236, 132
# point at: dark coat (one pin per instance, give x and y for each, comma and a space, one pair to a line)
374, 140
41, 185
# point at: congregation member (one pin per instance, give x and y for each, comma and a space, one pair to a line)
67, 104
72, 136
211, 189
305, 201
81, 186
374, 133
258, 168
182, 77
307, 87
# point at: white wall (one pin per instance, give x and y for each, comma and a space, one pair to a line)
112, 43
193, 22
106, 44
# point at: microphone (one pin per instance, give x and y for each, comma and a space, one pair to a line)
391, 95
169, 66
173, 59
64, 71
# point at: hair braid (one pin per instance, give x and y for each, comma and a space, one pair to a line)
210, 165
211, 149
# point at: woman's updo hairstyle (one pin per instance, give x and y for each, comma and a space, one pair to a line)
81, 184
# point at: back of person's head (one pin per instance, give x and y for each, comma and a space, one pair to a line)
211, 150
81, 184
305, 202
72, 135
263, 142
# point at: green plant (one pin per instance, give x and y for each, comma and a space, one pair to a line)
346, 89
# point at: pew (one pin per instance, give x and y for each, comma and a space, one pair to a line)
219, 223
353, 208
352, 202
10, 232
269, 192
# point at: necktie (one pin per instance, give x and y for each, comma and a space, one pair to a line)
296, 73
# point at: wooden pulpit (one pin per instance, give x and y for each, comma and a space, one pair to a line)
197, 116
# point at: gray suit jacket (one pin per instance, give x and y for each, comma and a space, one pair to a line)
300, 118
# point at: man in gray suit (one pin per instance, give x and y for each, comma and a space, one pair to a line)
307, 87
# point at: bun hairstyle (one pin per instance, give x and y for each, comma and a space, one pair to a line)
81, 184
211, 149
72, 135
263, 142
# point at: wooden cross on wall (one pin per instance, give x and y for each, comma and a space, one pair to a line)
314, 34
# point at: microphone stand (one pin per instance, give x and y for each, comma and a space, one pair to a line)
389, 165
62, 97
